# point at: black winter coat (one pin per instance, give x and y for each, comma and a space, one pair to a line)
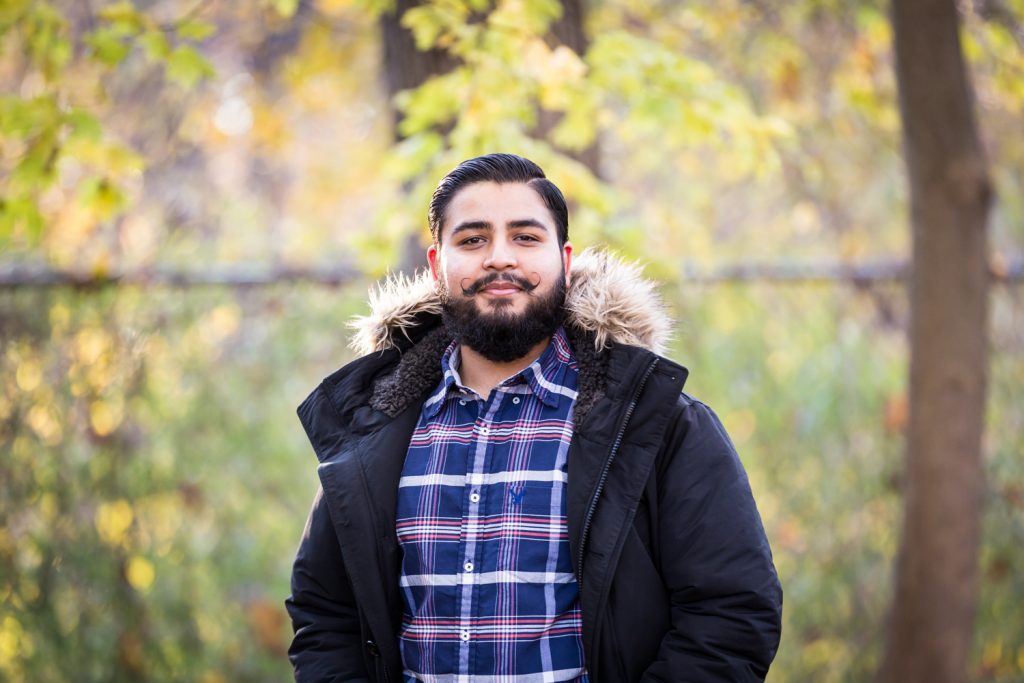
675, 573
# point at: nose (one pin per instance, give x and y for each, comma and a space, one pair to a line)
501, 256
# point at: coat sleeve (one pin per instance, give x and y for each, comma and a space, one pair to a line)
327, 646
726, 600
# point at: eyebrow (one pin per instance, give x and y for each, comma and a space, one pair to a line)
486, 225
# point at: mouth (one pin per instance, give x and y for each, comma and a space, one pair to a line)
498, 286
501, 289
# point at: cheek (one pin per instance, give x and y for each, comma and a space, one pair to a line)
453, 274
555, 267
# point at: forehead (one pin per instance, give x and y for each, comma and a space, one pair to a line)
497, 203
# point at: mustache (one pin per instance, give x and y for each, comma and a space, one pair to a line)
518, 280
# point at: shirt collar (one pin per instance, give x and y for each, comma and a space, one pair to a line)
449, 366
544, 376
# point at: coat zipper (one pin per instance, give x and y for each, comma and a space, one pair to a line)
607, 466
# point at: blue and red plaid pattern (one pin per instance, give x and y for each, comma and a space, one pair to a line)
487, 580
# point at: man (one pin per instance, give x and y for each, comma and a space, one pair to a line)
513, 485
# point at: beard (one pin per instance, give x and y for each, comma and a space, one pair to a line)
502, 336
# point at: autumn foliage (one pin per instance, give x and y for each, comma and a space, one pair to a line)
153, 478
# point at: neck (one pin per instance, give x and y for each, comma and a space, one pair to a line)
482, 375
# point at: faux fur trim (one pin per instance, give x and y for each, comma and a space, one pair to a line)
394, 307
607, 297
613, 300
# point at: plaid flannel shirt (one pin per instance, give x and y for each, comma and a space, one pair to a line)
489, 593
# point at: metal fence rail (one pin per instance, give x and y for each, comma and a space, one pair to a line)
33, 275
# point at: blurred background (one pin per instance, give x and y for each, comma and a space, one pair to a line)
196, 195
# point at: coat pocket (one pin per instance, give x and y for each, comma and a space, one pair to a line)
639, 611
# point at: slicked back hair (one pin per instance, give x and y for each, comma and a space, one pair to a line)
497, 168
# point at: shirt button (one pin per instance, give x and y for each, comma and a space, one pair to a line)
468, 566
464, 635
462, 402
485, 431
515, 400
474, 498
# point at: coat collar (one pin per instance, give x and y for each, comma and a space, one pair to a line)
607, 297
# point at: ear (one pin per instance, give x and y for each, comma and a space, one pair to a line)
567, 260
432, 259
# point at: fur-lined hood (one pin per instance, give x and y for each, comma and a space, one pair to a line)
608, 299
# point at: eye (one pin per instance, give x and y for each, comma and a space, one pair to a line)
471, 241
524, 237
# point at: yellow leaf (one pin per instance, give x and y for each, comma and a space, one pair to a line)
113, 520
91, 343
140, 573
28, 375
106, 416
991, 654
40, 418
10, 633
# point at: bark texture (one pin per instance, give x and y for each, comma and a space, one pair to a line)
405, 66
568, 30
929, 636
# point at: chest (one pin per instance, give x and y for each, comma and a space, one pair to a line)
496, 465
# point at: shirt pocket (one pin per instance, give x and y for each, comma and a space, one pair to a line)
543, 498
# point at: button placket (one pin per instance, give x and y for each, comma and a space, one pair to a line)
486, 412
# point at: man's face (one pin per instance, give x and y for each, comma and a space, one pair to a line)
500, 270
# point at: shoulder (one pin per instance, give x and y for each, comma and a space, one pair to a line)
698, 450
700, 417
695, 410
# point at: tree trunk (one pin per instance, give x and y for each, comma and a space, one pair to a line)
568, 30
406, 67
929, 636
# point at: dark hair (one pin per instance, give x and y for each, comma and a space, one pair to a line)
498, 168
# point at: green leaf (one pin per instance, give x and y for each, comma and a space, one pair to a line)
84, 125
286, 8
102, 196
409, 157
20, 212
434, 103
58, 53
576, 130
11, 12
426, 25
25, 118
123, 18
155, 44
187, 67
375, 8
195, 29
37, 166
108, 46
